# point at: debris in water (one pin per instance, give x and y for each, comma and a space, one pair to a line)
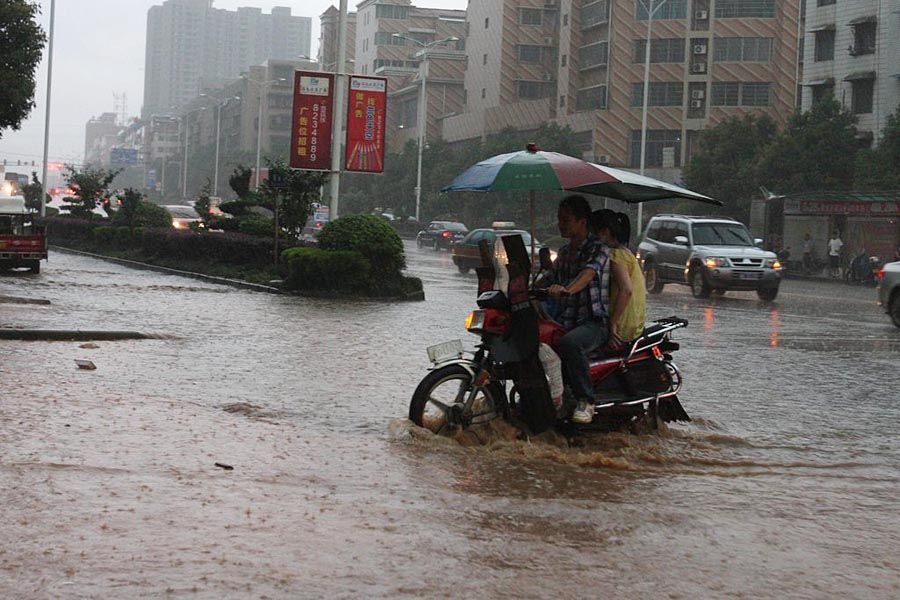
224, 466
89, 346
85, 364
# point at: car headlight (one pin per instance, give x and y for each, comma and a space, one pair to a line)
553, 256
773, 263
715, 261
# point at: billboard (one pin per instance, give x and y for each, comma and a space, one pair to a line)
123, 157
311, 128
366, 108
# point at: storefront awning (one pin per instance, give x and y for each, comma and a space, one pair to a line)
860, 75
815, 82
861, 20
822, 28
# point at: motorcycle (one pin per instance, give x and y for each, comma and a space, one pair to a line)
518, 349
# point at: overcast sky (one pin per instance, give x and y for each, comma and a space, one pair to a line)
98, 51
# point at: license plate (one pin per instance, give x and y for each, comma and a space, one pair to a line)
750, 275
445, 351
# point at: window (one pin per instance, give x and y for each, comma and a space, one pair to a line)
654, 229
593, 56
735, 49
564, 60
673, 9
529, 53
591, 98
820, 92
482, 92
565, 20
531, 16
657, 139
562, 101
863, 92
383, 38
745, 8
825, 2
662, 93
595, 13
487, 21
863, 38
391, 11
667, 50
824, 45
530, 90
732, 93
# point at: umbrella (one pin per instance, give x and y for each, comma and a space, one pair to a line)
535, 170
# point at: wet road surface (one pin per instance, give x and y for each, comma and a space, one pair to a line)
784, 486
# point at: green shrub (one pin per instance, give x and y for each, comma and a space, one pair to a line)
223, 223
104, 235
256, 225
317, 269
370, 236
237, 208
145, 214
122, 237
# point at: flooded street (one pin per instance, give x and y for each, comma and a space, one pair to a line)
784, 486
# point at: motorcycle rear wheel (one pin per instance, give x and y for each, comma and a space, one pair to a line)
437, 403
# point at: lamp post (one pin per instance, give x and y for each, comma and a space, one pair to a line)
47, 110
423, 107
186, 122
219, 108
262, 85
651, 10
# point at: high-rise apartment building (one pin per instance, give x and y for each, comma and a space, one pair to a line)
328, 40
190, 45
581, 63
852, 52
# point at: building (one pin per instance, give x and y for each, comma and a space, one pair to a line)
405, 43
191, 45
581, 63
100, 134
328, 40
852, 51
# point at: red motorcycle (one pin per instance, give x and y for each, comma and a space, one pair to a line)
506, 377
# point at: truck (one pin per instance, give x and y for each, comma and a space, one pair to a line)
23, 243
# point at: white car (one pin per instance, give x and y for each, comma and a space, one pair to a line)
183, 215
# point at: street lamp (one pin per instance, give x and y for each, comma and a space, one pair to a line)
651, 10
262, 86
47, 110
219, 108
423, 106
186, 122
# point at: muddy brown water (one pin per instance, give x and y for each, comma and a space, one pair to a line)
784, 486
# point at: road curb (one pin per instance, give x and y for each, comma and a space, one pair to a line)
63, 335
134, 264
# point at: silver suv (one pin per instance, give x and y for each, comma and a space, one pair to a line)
889, 291
710, 254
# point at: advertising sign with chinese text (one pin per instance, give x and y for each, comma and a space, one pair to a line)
366, 109
311, 129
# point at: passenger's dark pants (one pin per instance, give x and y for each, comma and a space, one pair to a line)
573, 350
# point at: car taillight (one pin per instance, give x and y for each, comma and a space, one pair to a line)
880, 274
446, 234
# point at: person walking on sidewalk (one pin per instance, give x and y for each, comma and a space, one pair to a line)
807, 253
834, 255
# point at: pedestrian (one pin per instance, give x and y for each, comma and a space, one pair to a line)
834, 254
807, 253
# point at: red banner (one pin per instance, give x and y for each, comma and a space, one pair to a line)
366, 109
311, 130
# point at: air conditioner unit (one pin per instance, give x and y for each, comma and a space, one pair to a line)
698, 94
701, 15
696, 103
603, 159
549, 41
698, 67
699, 48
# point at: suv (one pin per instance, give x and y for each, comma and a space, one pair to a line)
441, 234
889, 290
710, 254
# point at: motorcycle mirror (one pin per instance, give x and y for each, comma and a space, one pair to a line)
544, 258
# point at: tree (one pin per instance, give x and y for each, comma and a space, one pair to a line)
724, 163
877, 169
21, 43
816, 151
32, 194
202, 203
293, 201
91, 188
239, 181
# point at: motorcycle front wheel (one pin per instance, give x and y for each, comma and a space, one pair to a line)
438, 404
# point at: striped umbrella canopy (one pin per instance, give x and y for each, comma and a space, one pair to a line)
535, 170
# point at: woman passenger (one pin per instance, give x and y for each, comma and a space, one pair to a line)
628, 293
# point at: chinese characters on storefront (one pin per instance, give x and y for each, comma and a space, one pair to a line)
311, 129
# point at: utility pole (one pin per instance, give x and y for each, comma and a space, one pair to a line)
337, 135
47, 111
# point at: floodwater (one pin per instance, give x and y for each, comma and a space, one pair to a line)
785, 485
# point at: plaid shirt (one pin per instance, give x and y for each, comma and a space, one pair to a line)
593, 301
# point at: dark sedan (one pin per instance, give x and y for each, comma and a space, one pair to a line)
466, 254
441, 234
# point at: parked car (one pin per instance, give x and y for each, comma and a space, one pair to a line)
710, 254
889, 290
183, 215
316, 221
441, 234
466, 254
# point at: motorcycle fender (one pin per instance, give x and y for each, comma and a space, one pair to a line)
469, 365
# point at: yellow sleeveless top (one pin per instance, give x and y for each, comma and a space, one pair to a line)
631, 323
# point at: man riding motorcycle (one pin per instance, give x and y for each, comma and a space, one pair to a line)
579, 279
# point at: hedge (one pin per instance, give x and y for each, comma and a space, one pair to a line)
369, 235
316, 269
